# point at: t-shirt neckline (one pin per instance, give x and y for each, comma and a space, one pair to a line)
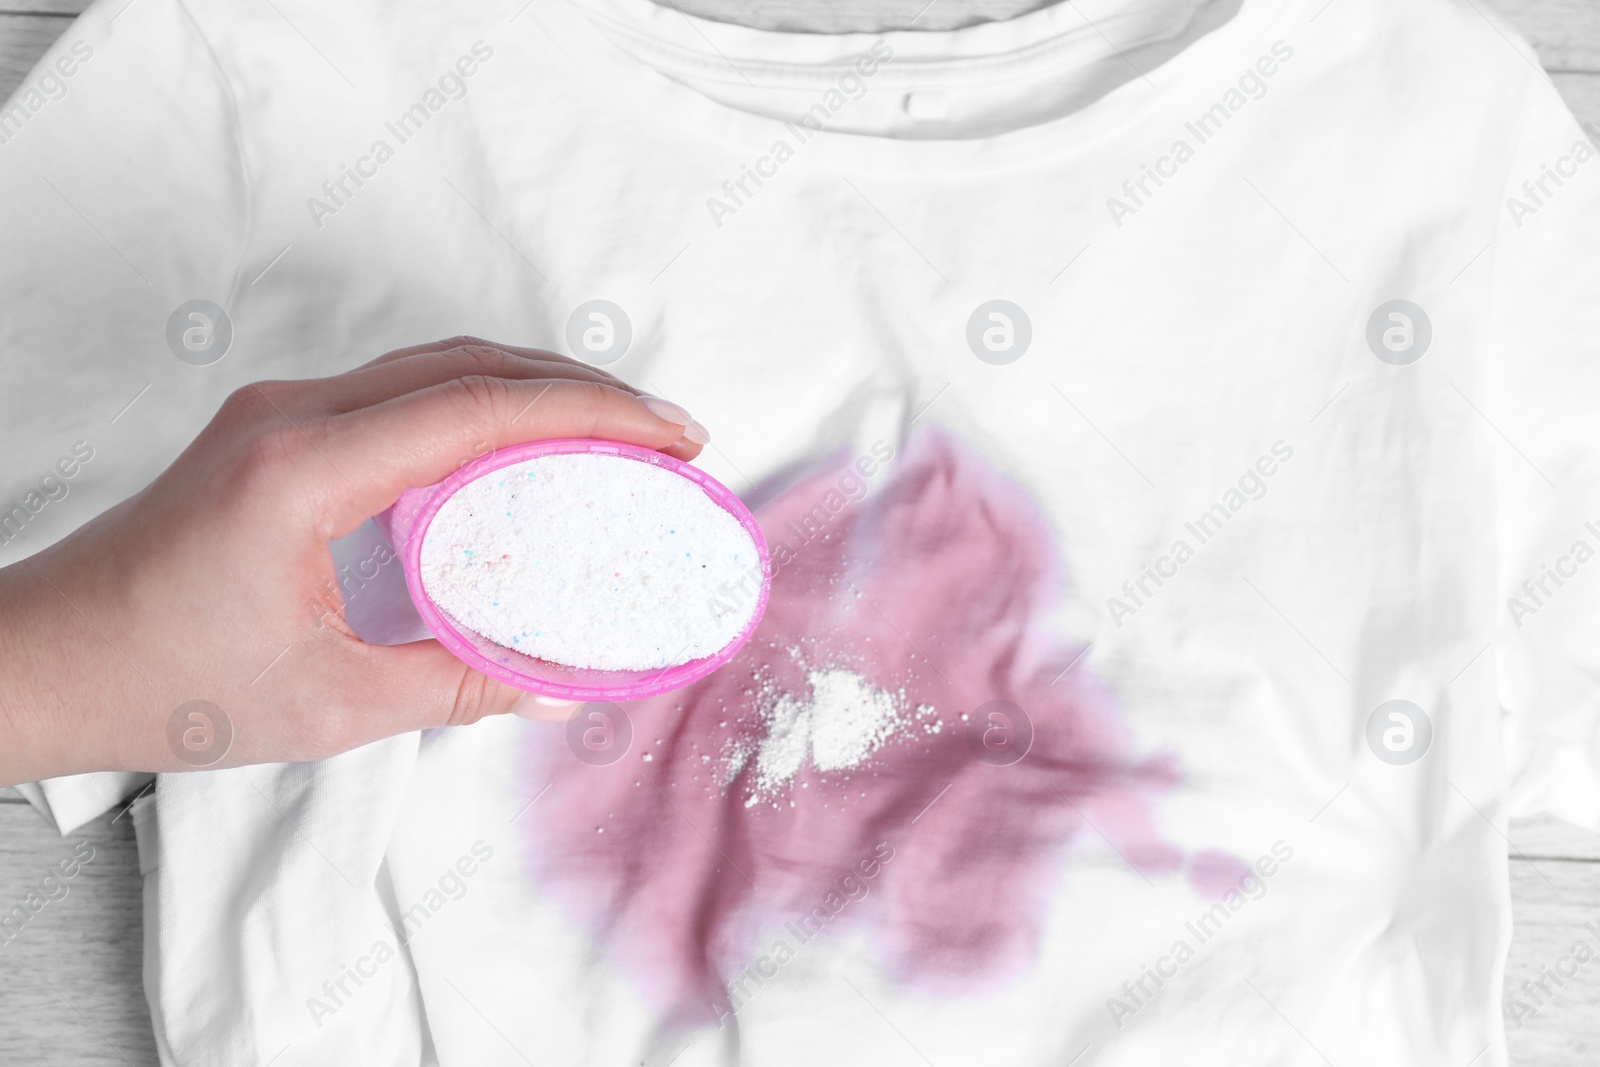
585, 30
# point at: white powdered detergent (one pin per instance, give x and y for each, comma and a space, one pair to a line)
842, 724
592, 560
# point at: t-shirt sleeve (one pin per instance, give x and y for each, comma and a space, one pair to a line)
122, 196
1540, 399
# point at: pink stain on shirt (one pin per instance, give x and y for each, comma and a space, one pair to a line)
935, 587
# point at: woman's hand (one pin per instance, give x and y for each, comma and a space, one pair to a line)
215, 582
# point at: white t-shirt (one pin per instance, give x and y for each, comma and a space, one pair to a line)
1197, 385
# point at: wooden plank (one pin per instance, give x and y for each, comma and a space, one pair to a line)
1550, 905
1582, 94
70, 976
23, 39
1550, 838
1565, 33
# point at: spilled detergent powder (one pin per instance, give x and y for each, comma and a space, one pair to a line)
838, 726
590, 560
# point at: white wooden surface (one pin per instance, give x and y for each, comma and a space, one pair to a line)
70, 984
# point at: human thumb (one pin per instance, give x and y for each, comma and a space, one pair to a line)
421, 686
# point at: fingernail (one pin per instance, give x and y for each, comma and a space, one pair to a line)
666, 409
696, 433
543, 709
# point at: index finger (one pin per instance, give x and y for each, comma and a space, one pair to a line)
467, 340
374, 454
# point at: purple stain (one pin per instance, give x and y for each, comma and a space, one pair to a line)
1216, 874
936, 587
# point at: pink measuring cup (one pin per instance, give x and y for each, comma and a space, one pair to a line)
406, 524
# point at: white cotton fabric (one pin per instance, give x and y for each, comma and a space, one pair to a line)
1177, 335
74, 799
